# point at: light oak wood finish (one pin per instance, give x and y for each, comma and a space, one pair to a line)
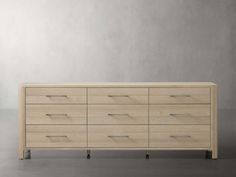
179, 136
56, 136
118, 114
55, 96
122, 136
121, 85
138, 116
56, 114
21, 122
180, 114
214, 122
179, 95
117, 96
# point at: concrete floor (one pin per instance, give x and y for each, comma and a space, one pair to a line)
117, 163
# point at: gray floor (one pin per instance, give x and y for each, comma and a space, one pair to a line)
117, 163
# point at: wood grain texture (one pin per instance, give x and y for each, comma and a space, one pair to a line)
179, 95
56, 136
118, 114
121, 84
179, 136
180, 114
118, 136
55, 96
144, 116
117, 96
214, 122
21, 123
56, 114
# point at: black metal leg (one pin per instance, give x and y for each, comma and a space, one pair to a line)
147, 155
208, 155
27, 154
88, 154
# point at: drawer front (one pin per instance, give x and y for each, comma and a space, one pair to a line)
179, 114
118, 114
118, 96
56, 114
55, 95
179, 136
179, 95
56, 136
118, 136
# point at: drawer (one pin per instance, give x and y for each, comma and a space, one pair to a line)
56, 114
179, 136
179, 95
56, 136
55, 95
118, 114
118, 96
118, 136
179, 114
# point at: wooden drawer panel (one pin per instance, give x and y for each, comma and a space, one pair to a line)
179, 136
118, 96
118, 114
55, 95
118, 136
179, 95
179, 114
56, 114
56, 136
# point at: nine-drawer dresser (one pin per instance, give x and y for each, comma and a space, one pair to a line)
119, 116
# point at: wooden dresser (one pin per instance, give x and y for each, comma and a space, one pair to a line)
119, 116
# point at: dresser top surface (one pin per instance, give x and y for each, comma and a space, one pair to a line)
122, 84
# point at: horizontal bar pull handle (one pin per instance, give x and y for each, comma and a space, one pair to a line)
118, 96
180, 136
122, 115
57, 115
182, 95
180, 115
118, 136
57, 136
51, 96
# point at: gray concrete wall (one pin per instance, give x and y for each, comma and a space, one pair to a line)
117, 40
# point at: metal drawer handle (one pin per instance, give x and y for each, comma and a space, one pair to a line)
180, 136
180, 115
50, 96
180, 95
127, 115
57, 115
118, 95
57, 136
118, 136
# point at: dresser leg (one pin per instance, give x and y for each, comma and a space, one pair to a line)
214, 154
21, 154
208, 155
27, 154
147, 155
88, 154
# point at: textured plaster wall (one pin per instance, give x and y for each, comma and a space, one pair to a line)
117, 40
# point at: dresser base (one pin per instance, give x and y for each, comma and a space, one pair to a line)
208, 153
